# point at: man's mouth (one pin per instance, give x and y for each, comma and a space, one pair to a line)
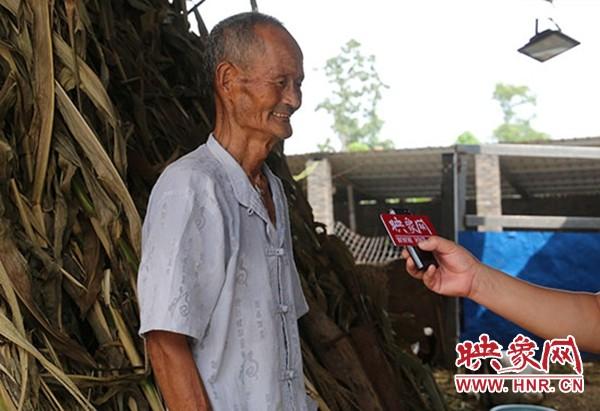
283, 116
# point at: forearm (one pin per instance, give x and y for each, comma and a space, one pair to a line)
176, 372
545, 312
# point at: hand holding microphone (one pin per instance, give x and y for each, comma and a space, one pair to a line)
455, 272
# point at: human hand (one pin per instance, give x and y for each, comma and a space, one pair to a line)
456, 272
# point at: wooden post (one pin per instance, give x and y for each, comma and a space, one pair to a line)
351, 209
454, 170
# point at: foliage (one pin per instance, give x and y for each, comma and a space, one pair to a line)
467, 138
356, 93
516, 127
519, 132
326, 146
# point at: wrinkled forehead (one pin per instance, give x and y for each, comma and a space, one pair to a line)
275, 39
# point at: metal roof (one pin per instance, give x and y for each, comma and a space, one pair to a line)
418, 172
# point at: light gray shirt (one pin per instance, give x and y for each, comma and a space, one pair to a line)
215, 268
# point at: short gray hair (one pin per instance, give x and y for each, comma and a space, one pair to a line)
234, 39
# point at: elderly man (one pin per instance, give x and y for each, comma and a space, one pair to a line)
219, 292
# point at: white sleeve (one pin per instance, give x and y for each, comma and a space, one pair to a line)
182, 269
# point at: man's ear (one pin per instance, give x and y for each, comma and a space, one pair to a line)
225, 76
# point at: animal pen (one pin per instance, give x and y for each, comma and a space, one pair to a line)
523, 208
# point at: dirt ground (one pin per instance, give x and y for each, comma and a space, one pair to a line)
589, 400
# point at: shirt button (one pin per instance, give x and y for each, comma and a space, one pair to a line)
290, 374
283, 309
279, 251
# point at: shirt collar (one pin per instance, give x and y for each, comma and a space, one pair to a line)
242, 188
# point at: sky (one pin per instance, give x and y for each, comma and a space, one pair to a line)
441, 60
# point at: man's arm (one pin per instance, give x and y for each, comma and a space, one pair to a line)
176, 372
546, 312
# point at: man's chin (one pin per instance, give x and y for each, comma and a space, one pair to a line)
285, 134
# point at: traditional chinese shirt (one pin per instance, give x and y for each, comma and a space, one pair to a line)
215, 268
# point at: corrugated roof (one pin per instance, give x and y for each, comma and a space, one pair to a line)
418, 172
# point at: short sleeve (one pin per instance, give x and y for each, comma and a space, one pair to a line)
182, 269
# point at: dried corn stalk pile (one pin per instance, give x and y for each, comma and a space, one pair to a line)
96, 98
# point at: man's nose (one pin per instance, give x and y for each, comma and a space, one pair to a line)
293, 96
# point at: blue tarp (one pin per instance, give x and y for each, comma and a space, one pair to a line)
569, 261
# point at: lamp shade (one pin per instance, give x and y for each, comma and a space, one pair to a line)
547, 44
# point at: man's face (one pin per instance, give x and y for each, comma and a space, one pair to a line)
269, 87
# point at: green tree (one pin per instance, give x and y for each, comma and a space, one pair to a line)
326, 146
467, 138
516, 127
353, 104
